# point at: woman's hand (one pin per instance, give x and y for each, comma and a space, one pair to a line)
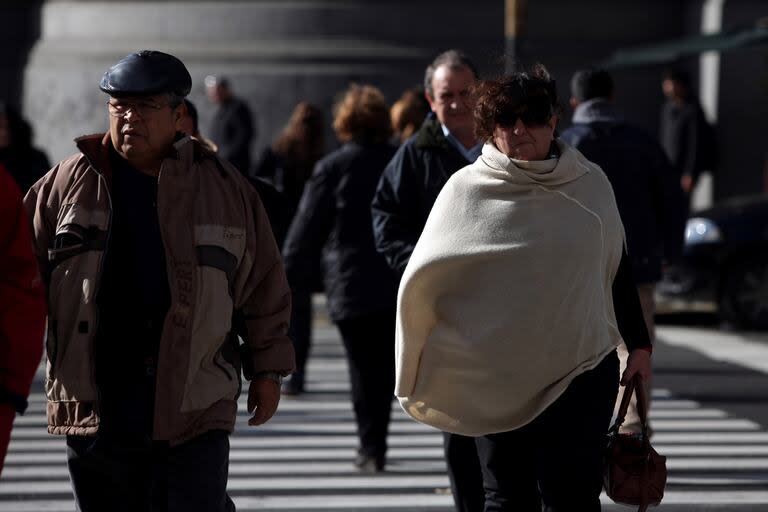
639, 362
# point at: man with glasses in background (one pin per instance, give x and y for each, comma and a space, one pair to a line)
157, 256
444, 143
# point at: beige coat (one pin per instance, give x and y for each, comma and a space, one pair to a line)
206, 209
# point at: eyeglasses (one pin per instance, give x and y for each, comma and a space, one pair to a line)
142, 108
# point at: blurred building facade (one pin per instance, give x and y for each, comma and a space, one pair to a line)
279, 52
275, 53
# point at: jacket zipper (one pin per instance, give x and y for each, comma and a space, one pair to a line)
96, 291
170, 273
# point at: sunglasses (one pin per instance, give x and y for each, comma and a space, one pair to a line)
535, 111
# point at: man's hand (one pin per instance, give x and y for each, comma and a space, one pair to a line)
639, 362
263, 396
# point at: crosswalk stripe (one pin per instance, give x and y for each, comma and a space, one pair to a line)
302, 458
394, 502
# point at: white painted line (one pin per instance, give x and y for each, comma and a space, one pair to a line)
408, 453
671, 450
674, 404
400, 501
48, 442
717, 464
690, 414
720, 346
268, 469
733, 481
297, 485
710, 437
662, 425
710, 498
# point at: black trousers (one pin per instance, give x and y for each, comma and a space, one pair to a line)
370, 344
150, 476
464, 472
300, 328
559, 453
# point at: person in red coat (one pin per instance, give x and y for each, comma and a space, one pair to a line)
22, 309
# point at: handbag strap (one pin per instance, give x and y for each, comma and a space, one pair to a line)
633, 386
636, 386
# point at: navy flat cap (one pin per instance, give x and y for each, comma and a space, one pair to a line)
145, 73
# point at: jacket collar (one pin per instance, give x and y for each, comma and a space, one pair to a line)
430, 134
596, 110
97, 148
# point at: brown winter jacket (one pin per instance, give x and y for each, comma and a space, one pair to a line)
225, 277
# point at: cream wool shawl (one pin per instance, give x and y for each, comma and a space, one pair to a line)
508, 294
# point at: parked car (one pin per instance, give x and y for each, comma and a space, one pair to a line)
724, 267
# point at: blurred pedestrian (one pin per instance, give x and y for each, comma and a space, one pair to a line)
334, 220
444, 143
22, 309
648, 196
25, 163
275, 204
172, 249
686, 136
232, 128
509, 306
190, 125
408, 114
288, 164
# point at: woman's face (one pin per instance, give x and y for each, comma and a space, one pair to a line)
523, 142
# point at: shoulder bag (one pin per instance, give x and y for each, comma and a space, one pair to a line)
633, 472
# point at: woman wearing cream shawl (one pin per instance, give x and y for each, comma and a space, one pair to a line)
513, 303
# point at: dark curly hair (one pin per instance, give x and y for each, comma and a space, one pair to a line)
362, 115
528, 95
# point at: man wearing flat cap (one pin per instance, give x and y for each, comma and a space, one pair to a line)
164, 282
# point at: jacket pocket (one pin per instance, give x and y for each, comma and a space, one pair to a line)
218, 257
210, 376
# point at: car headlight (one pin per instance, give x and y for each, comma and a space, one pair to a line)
699, 230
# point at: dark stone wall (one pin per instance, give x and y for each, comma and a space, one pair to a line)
19, 29
567, 36
743, 109
275, 53
279, 52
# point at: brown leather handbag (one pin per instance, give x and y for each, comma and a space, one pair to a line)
633, 472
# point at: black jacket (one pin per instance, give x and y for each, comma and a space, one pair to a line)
648, 193
334, 220
408, 189
688, 139
232, 131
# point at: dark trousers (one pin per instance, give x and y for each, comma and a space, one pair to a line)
370, 344
300, 329
464, 472
150, 476
560, 452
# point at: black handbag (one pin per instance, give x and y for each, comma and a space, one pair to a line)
633, 472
